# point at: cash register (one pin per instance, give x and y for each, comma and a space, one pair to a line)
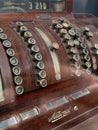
48, 66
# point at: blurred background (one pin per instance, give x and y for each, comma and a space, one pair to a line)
85, 6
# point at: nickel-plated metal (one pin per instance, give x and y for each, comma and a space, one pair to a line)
62, 31
40, 65
62, 19
19, 24
70, 43
18, 80
72, 32
27, 34
77, 32
22, 30
73, 50
95, 46
75, 58
86, 29
67, 37
89, 34
77, 65
87, 58
1, 30
42, 74
42, 82
59, 26
83, 45
78, 72
3, 36
16, 70
10, 52
13, 61
19, 90
6, 43
80, 39
55, 22
31, 41
65, 24
85, 52
87, 64
76, 42
34, 48
38, 57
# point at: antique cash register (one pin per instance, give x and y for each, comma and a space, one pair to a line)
48, 66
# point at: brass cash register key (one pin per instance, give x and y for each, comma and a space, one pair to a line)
3, 36
88, 71
19, 90
83, 45
96, 52
67, 37
27, 35
22, 30
62, 31
78, 72
18, 80
42, 82
31, 41
73, 50
54, 23
87, 33
87, 58
70, 43
40, 65
72, 32
77, 32
95, 48
65, 25
42, 74
19, 24
76, 42
86, 29
10, 52
85, 52
13, 61
38, 57
87, 65
80, 39
62, 19
34, 48
77, 65
1, 30
76, 58
6, 43
16, 70
59, 26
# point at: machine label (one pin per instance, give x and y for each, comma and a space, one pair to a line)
59, 115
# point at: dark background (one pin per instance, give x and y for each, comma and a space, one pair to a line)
85, 6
